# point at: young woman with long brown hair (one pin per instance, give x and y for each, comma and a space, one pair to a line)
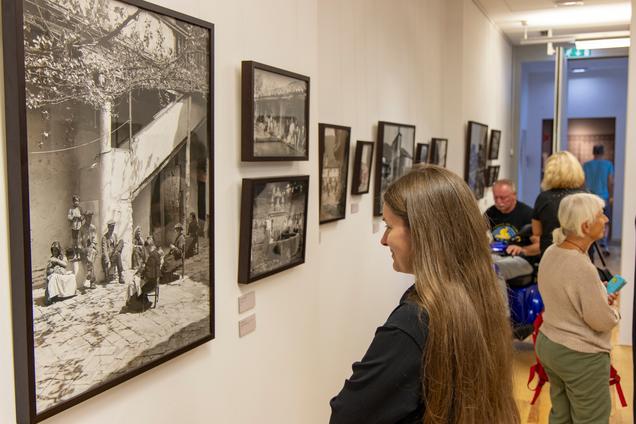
444, 355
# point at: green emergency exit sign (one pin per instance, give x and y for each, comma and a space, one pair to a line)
572, 52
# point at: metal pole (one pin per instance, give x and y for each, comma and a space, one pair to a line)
559, 98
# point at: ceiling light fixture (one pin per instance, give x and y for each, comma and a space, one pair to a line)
560, 3
603, 43
579, 70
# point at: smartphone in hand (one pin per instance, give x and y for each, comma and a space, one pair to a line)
615, 284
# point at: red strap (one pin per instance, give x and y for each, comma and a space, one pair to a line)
615, 379
542, 379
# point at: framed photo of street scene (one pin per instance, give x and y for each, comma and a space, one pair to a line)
362, 167
394, 157
438, 151
493, 146
109, 127
333, 167
274, 114
476, 157
421, 153
273, 226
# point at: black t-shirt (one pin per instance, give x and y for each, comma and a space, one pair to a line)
386, 385
506, 226
546, 209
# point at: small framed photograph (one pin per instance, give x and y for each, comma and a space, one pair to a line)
394, 157
476, 157
492, 174
421, 153
273, 226
334, 166
493, 147
274, 114
438, 151
362, 167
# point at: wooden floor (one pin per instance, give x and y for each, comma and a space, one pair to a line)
538, 413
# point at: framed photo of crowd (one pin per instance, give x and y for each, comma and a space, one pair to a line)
333, 167
273, 226
476, 157
110, 161
274, 114
394, 156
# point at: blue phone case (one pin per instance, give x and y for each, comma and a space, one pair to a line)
615, 284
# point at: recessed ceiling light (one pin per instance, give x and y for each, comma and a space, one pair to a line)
579, 70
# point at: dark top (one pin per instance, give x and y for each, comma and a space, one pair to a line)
386, 385
506, 226
546, 209
152, 268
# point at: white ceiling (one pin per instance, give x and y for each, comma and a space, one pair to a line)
541, 15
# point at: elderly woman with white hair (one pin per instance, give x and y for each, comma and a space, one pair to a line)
574, 342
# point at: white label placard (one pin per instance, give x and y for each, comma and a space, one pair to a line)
247, 325
355, 207
246, 302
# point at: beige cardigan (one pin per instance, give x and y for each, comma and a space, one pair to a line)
576, 315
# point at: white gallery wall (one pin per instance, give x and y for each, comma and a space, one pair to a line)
432, 63
407, 62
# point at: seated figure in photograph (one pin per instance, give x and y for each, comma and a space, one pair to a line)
175, 256
507, 217
146, 279
60, 281
444, 354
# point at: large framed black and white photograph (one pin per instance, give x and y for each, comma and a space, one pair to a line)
110, 162
333, 171
362, 161
422, 153
438, 151
274, 114
493, 146
476, 157
394, 156
273, 226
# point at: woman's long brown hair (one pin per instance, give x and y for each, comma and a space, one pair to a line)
467, 363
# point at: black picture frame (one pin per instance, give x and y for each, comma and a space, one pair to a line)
492, 174
422, 151
476, 157
362, 166
52, 145
493, 146
394, 157
274, 114
439, 147
276, 207
333, 171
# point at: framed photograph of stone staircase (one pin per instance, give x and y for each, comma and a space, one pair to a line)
109, 127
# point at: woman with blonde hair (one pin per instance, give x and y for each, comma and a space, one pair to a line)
444, 354
563, 175
574, 341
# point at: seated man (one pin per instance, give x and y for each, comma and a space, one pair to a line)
507, 217
146, 279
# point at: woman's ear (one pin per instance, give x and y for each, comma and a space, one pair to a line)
585, 228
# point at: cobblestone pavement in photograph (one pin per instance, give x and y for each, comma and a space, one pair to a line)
88, 339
